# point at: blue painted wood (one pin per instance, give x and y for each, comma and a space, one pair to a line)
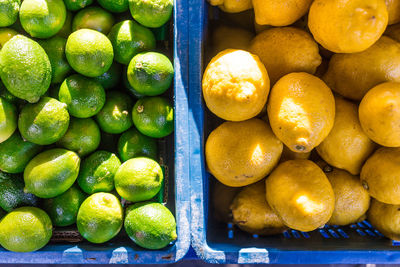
216, 243
123, 250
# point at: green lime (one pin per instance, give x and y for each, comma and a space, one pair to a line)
153, 116
150, 73
25, 229
42, 18
128, 87
116, 6
133, 144
15, 153
84, 96
115, 116
89, 52
63, 209
44, 122
9, 12
151, 13
25, 68
67, 27
83, 136
55, 49
94, 18
110, 78
128, 39
51, 173
6, 95
8, 119
12, 193
74, 5
100, 217
150, 225
97, 172
5, 35
139, 179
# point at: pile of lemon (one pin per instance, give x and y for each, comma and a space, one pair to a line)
312, 110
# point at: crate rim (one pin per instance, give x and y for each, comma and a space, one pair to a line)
73, 254
246, 255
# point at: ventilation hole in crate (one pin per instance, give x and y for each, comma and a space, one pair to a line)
378, 233
255, 236
360, 232
362, 225
306, 235
230, 234
326, 226
369, 232
335, 226
333, 233
353, 226
295, 234
323, 233
368, 224
230, 226
342, 233
395, 243
286, 234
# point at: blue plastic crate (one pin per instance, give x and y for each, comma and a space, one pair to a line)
220, 243
121, 250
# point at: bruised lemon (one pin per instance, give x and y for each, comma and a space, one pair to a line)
235, 85
301, 111
347, 26
242, 153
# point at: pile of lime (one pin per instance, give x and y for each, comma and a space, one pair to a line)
76, 75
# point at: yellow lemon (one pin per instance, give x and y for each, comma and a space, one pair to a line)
347, 146
393, 31
252, 214
224, 37
385, 218
301, 111
235, 85
278, 12
351, 198
379, 113
300, 193
242, 153
347, 26
393, 7
288, 154
380, 175
352, 75
232, 6
286, 50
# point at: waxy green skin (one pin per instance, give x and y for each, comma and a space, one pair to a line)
89, 52
74, 5
42, 18
151, 13
154, 116
110, 78
64, 208
9, 12
139, 179
94, 18
25, 229
84, 96
83, 136
25, 68
115, 116
98, 171
134, 144
100, 218
116, 6
8, 119
6, 95
150, 225
150, 73
55, 49
51, 173
12, 193
45, 122
15, 153
128, 39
